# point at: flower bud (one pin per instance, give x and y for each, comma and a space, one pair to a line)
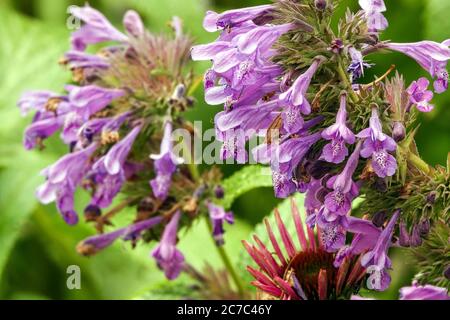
431, 197
416, 240
398, 131
447, 272
320, 4
219, 192
337, 45
424, 227
379, 218
404, 240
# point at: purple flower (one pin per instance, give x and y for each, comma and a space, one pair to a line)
313, 202
418, 292
40, 130
426, 292
166, 163
38, 101
338, 202
89, 100
332, 235
232, 18
96, 29
432, 56
62, 179
377, 260
283, 184
295, 99
83, 60
357, 66
366, 235
167, 256
375, 19
218, 216
133, 24
420, 96
108, 173
339, 134
291, 152
233, 146
242, 71
236, 126
94, 244
284, 158
377, 145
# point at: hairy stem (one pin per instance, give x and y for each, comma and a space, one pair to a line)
346, 80
419, 163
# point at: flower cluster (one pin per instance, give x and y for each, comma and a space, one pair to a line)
283, 75
117, 119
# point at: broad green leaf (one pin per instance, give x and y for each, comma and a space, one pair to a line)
246, 179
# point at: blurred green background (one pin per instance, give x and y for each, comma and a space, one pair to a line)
36, 247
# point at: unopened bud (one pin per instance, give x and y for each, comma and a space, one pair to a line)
424, 227
398, 131
320, 4
447, 272
416, 240
431, 197
219, 192
404, 240
379, 218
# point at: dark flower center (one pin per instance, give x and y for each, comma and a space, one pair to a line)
306, 266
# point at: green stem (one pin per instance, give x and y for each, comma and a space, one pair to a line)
345, 79
195, 173
419, 163
227, 263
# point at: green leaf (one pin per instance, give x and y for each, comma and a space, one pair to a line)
29, 53
246, 179
17, 186
436, 19
28, 56
260, 230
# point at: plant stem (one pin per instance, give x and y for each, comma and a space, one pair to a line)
227, 263
344, 78
193, 169
419, 163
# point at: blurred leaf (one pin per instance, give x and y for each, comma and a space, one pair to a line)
246, 179
17, 185
180, 289
117, 272
437, 22
29, 53
199, 247
260, 230
159, 13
